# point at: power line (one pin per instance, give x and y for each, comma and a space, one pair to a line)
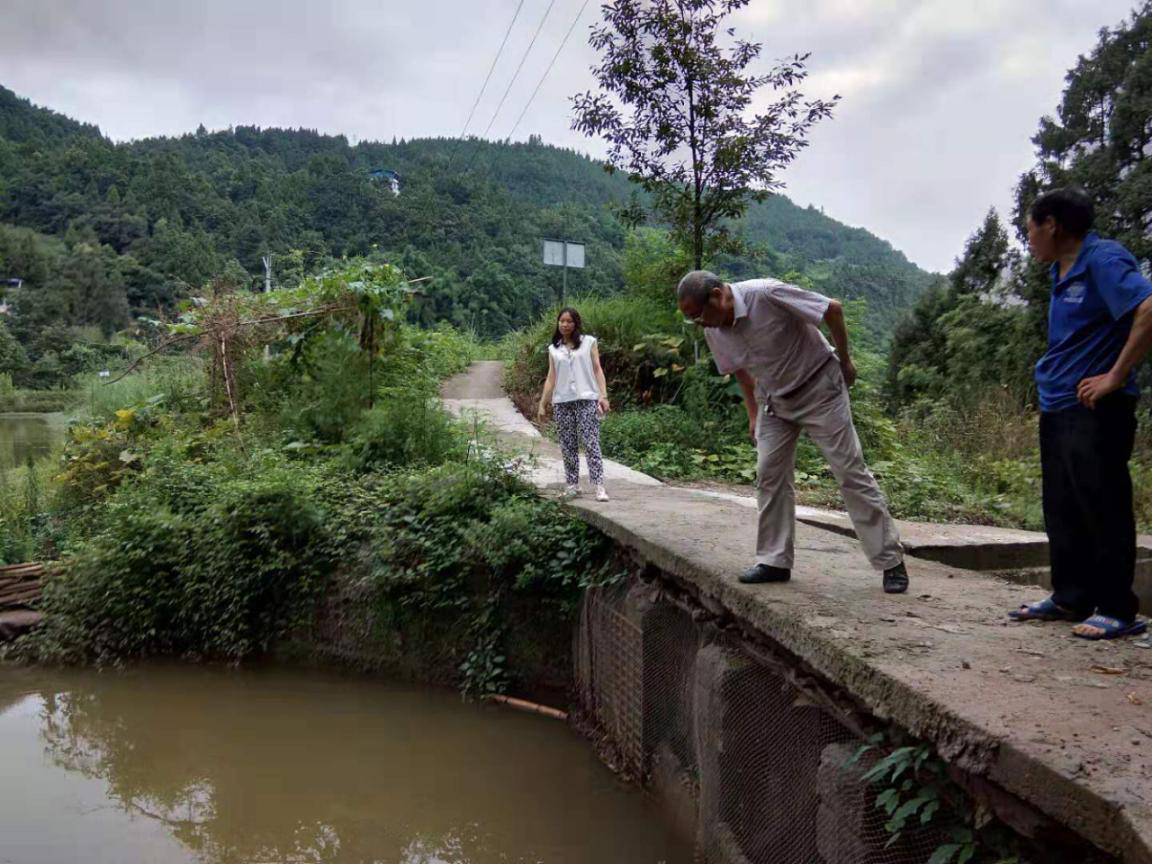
492, 68
540, 83
507, 90
516, 74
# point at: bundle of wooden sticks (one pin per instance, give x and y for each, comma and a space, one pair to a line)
20, 585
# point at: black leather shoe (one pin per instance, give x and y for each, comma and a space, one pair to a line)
765, 573
896, 579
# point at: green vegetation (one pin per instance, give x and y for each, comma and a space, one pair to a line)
918, 793
947, 418
285, 448
266, 447
110, 237
308, 431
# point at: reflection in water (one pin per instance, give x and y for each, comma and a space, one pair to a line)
24, 436
178, 764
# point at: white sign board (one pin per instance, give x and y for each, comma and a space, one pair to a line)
554, 254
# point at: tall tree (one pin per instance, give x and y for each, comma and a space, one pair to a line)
673, 105
966, 335
13, 359
985, 256
1101, 136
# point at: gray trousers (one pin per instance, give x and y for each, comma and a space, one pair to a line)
820, 408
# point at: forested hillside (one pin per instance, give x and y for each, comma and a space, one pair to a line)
142, 223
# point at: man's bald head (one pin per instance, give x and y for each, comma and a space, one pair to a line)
697, 286
705, 299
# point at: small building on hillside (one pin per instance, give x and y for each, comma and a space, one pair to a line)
8, 288
387, 175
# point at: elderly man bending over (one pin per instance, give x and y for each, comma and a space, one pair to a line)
767, 334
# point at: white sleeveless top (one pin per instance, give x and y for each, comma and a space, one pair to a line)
575, 377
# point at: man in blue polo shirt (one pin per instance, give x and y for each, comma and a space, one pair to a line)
1099, 329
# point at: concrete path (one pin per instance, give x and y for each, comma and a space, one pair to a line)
478, 397
1063, 724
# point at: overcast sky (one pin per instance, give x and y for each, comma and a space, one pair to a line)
940, 97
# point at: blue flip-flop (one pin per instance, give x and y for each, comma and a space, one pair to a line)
1044, 610
1113, 628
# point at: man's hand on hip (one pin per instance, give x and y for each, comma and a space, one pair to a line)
1093, 389
849, 370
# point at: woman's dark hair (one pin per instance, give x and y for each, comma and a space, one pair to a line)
1070, 207
577, 331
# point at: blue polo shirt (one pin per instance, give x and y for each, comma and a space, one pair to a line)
1089, 319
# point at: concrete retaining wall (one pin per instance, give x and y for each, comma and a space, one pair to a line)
748, 753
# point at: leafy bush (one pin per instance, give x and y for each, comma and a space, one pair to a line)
317, 387
669, 442
175, 383
98, 458
214, 559
454, 549
319, 394
405, 430
653, 263
629, 331
441, 352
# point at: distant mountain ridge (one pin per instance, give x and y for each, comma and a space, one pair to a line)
182, 210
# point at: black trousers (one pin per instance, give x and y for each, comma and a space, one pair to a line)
1088, 514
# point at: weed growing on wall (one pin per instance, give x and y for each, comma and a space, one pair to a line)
918, 794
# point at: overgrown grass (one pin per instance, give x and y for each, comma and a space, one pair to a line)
39, 401
176, 383
24, 525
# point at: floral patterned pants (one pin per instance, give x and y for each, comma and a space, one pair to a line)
574, 421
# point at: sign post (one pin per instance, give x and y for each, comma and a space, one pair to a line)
562, 253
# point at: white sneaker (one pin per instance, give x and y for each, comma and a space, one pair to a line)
601, 493
572, 491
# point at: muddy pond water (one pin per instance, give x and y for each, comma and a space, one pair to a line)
24, 436
182, 763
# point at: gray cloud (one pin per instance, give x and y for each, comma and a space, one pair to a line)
940, 98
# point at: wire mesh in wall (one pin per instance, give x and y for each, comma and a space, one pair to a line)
770, 773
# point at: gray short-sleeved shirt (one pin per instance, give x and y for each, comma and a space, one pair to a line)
775, 336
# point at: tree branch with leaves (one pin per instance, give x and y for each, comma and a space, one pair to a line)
675, 106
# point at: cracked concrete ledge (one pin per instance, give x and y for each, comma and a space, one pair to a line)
1021, 705
1018, 556
1063, 724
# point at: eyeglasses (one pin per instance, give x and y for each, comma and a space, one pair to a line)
698, 319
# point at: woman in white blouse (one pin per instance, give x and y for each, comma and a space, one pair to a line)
579, 397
